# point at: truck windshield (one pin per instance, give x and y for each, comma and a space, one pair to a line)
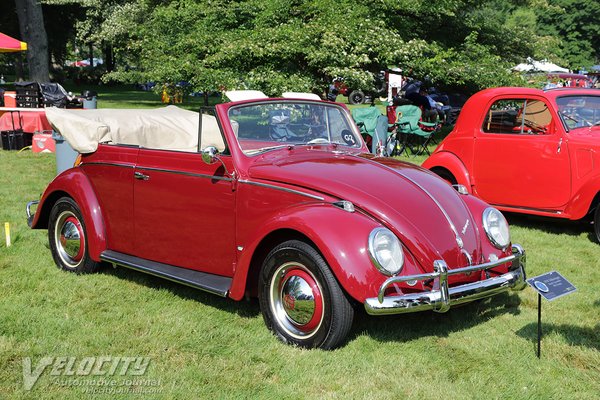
579, 111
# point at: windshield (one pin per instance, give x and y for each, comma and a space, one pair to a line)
269, 125
579, 111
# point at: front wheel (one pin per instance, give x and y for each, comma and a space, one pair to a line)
300, 299
68, 240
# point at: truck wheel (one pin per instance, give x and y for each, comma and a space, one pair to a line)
356, 97
300, 299
68, 240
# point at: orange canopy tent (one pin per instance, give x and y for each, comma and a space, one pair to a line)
8, 44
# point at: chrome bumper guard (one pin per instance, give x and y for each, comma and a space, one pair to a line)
28, 211
443, 297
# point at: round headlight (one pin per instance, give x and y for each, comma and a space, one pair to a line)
386, 251
496, 228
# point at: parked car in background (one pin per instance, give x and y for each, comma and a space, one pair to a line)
278, 199
528, 151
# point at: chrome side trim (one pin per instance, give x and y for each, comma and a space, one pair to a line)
444, 297
106, 163
193, 174
266, 185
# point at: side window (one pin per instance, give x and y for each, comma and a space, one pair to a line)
210, 131
518, 116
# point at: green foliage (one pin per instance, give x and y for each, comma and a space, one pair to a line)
301, 45
577, 23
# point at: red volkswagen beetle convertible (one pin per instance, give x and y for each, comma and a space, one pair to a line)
527, 151
274, 198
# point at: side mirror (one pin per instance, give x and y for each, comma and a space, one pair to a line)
210, 155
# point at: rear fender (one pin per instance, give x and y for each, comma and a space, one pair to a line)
75, 184
582, 201
452, 164
340, 236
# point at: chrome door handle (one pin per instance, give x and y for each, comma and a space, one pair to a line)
559, 146
140, 176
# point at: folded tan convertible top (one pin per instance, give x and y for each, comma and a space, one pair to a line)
168, 128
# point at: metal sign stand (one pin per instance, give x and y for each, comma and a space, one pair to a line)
539, 325
551, 286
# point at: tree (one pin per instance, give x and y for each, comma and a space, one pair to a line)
31, 23
577, 23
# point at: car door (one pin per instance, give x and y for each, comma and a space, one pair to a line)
184, 211
110, 171
520, 157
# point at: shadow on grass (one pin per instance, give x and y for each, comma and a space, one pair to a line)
244, 309
552, 225
407, 327
574, 335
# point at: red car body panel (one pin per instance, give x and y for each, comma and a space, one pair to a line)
550, 174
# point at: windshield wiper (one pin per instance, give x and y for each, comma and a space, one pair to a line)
569, 117
269, 148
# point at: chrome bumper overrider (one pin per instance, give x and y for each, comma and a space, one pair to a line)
443, 297
28, 211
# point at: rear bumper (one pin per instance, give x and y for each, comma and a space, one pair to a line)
443, 297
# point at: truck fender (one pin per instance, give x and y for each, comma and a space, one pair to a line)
450, 162
340, 236
75, 184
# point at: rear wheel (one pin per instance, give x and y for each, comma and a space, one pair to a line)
68, 239
300, 299
597, 223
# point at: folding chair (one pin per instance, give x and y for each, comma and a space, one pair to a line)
373, 127
418, 134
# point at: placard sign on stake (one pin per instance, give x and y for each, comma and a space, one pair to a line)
550, 286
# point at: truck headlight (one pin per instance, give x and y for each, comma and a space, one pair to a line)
496, 228
386, 251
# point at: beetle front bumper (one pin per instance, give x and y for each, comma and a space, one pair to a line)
443, 297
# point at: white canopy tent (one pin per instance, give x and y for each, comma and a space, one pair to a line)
539, 66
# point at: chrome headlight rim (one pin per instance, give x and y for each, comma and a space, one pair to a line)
487, 228
374, 257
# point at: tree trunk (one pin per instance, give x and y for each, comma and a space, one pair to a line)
19, 68
31, 24
91, 47
108, 56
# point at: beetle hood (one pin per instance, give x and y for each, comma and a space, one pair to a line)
426, 213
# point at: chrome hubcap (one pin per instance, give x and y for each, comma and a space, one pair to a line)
296, 300
69, 239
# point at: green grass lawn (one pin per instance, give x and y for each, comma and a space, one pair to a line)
203, 346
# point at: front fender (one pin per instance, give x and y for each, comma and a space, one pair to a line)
75, 184
340, 236
450, 162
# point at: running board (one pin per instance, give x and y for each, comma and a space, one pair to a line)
215, 284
